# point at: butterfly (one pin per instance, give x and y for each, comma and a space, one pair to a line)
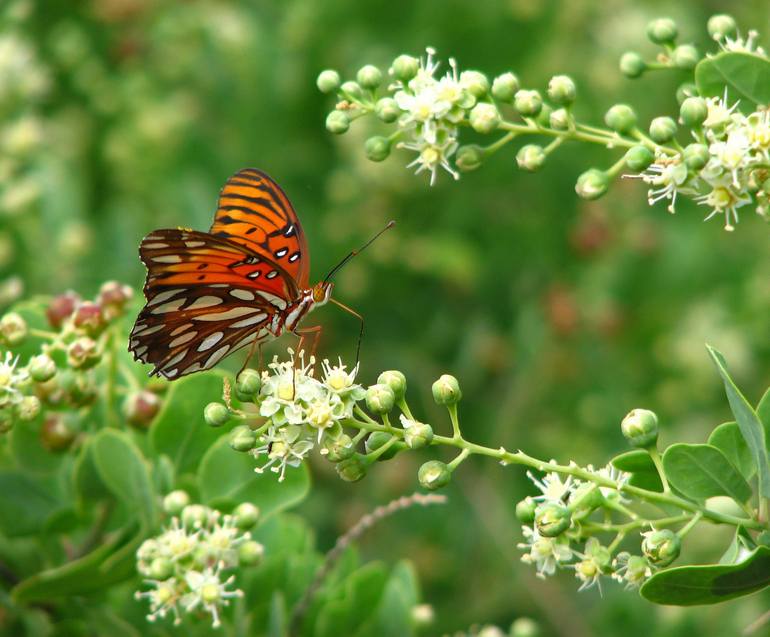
244, 282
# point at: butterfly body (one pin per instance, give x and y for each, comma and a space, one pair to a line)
212, 293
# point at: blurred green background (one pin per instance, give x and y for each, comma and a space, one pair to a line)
121, 116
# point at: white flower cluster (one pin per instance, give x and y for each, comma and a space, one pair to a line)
301, 409
431, 110
184, 564
16, 402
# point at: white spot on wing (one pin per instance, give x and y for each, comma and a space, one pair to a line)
154, 246
171, 306
170, 373
217, 356
244, 295
272, 298
181, 340
194, 244
175, 359
181, 328
229, 314
168, 258
252, 320
272, 274
210, 341
281, 253
164, 296
149, 330
203, 302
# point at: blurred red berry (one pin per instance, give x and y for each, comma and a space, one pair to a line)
61, 308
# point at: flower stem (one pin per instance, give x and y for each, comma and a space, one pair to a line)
656, 460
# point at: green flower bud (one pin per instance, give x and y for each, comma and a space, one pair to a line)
528, 103
405, 67
662, 547
639, 157
446, 390
337, 122
80, 389
369, 76
693, 112
484, 117
585, 499
722, 26
351, 469
592, 184
242, 438
524, 627
248, 384
338, 448
175, 501
57, 433
352, 90
469, 157
13, 329
637, 569
696, 156
140, 408
42, 368
395, 380
161, 568
376, 440
531, 157
328, 81
195, 516
552, 519
562, 90
685, 90
28, 408
632, 65
387, 110
621, 118
685, 57
418, 435
380, 399
434, 474
250, 553
525, 510
246, 515
640, 428
662, 129
475, 83
216, 414
599, 554
662, 31
82, 353
504, 87
560, 119
377, 148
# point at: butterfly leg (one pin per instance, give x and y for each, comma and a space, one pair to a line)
255, 344
350, 310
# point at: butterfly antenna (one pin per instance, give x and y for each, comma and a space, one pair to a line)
353, 253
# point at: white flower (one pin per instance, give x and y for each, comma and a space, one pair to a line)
609, 472
719, 114
163, 599
545, 553
284, 446
552, 488
757, 129
669, 177
433, 155
209, 592
221, 542
631, 569
723, 199
176, 543
11, 379
341, 382
589, 569
743, 45
732, 155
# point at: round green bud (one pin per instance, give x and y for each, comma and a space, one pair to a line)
351, 470
83, 353
369, 76
469, 157
395, 380
80, 389
637, 568
56, 434
418, 435
693, 112
376, 440
592, 184
600, 555
560, 119
434, 474
242, 438
621, 118
387, 110
338, 448
638, 158
525, 510
585, 499
28, 408
405, 67
685, 90
662, 31
41, 368
195, 516
328, 81
640, 428
685, 57
661, 547
161, 568
246, 515
528, 102
552, 519
380, 399
475, 83
562, 90
484, 117
216, 414
530, 157
248, 383
352, 90
504, 87
696, 156
175, 501
722, 26
377, 148
524, 627
662, 129
489, 631
250, 553
632, 65
140, 408
337, 122
446, 390
13, 329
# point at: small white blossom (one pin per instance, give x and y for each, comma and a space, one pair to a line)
285, 446
552, 488
163, 598
743, 45
209, 592
12, 380
632, 570
669, 177
546, 553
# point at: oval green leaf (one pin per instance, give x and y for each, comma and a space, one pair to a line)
728, 439
26, 504
634, 461
703, 471
712, 584
745, 75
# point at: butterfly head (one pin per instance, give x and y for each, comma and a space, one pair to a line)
322, 292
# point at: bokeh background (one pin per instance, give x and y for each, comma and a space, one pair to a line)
121, 116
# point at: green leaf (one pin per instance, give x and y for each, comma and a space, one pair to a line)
393, 616
29, 454
751, 428
125, 473
87, 481
763, 413
728, 439
26, 504
634, 461
179, 431
741, 542
646, 480
703, 471
227, 478
711, 584
745, 75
